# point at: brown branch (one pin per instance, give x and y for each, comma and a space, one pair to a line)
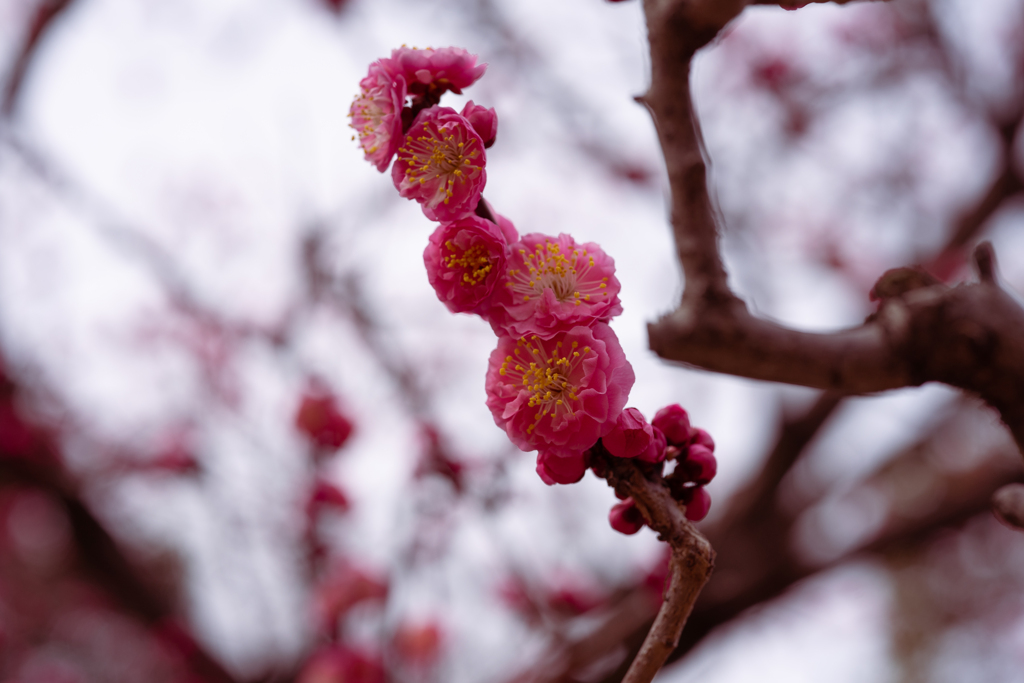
971, 336
690, 566
46, 12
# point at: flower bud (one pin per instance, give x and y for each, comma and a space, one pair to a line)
484, 121
630, 436
656, 450
699, 504
626, 518
700, 465
561, 469
675, 423
703, 438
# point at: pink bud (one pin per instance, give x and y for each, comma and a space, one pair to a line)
484, 121
656, 450
702, 438
697, 508
630, 436
561, 469
626, 518
700, 465
675, 423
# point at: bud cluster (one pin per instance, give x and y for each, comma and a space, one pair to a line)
558, 381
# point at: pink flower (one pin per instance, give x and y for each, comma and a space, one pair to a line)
625, 517
376, 113
326, 495
484, 121
464, 260
675, 423
559, 394
433, 71
320, 419
554, 284
441, 164
554, 468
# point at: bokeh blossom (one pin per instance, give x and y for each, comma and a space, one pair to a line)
320, 418
441, 164
559, 394
376, 113
464, 260
554, 284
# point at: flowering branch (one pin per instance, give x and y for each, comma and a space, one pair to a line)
690, 566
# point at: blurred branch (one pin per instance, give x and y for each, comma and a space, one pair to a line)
34, 461
45, 14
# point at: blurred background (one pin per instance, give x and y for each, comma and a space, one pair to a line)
241, 440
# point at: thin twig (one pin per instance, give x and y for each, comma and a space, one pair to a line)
691, 563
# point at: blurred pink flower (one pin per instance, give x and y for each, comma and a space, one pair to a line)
339, 664
419, 644
343, 588
320, 419
554, 284
326, 495
559, 394
433, 71
376, 113
440, 164
464, 260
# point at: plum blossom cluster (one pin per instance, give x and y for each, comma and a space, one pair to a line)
558, 381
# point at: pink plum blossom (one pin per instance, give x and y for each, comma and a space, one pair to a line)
441, 164
674, 422
626, 518
432, 71
484, 121
376, 113
559, 394
553, 284
464, 260
554, 468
